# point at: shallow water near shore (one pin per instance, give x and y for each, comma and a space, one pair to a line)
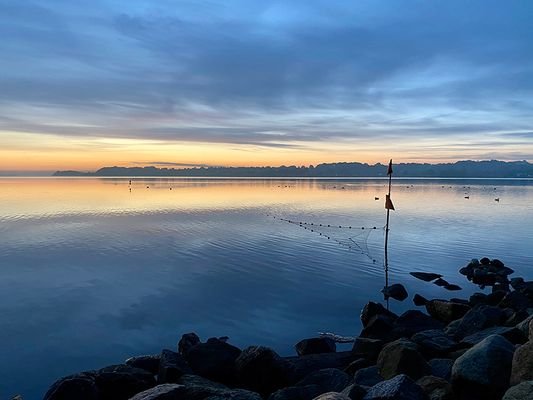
92, 273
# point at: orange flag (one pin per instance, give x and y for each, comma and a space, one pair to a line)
388, 203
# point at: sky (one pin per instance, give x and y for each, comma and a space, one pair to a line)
184, 83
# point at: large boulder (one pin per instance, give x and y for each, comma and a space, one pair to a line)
300, 367
214, 360
436, 388
332, 396
522, 369
80, 386
166, 391
446, 311
149, 363
120, 382
379, 327
171, 367
367, 348
434, 343
402, 357
522, 391
355, 392
308, 392
414, 321
372, 309
512, 334
441, 368
328, 380
262, 370
515, 300
479, 318
187, 342
483, 371
367, 376
400, 387
315, 346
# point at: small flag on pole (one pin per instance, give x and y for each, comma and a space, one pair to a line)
389, 171
388, 202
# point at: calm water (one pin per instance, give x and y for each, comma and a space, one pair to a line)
91, 273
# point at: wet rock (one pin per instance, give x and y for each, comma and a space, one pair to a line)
367, 376
512, 334
396, 291
171, 367
524, 326
402, 357
522, 391
354, 392
483, 371
436, 388
426, 276
516, 318
328, 380
451, 328
441, 368
414, 321
434, 343
149, 363
452, 287
372, 309
166, 391
332, 396
80, 386
477, 299
214, 360
400, 387
296, 393
446, 311
187, 342
494, 298
419, 300
517, 283
515, 300
367, 348
315, 346
478, 318
300, 367
262, 370
356, 365
118, 382
441, 282
522, 369
379, 327
484, 261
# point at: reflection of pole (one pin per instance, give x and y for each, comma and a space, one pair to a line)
389, 206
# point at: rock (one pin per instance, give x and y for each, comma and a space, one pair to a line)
483, 371
452, 287
367, 376
434, 343
120, 382
478, 298
522, 391
171, 367
372, 309
315, 346
296, 393
402, 357
454, 355
441, 282
400, 387
354, 392
367, 348
512, 334
80, 386
235, 394
167, 391
396, 291
214, 360
426, 276
262, 370
329, 380
419, 300
522, 369
451, 328
436, 388
494, 298
515, 300
379, 327
300, 367
517, 283
441, 368
332, 396
414, 321
149, 363
516, 318
524, 326
479, 318
195, 380
446, 311
356, 365
187, 342
484, 261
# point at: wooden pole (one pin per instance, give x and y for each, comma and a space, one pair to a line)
388, 206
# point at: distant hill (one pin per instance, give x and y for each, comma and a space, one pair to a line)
459, 169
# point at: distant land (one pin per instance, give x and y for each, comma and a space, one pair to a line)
459, 169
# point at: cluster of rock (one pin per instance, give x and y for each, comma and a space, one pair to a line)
481, 348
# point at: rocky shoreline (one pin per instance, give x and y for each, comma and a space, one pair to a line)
458, 349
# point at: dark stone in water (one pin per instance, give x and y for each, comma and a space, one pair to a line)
484, 261
441, 282
214, 360
315, 346
452, 287
426, 276
372, 309
396, 291
419, 300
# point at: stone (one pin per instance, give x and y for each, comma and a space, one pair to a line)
166, 391
419, 300
441, 367
332, 396
478, 298
402, 357
329, 380
494, 298
400, 387
414, 321
446, 311
434, 343
379, 327
483, 371
452, 327
517, 283
452, 287
425, 276
195, 380
524, 326
436, 388
367, 348
367, 376
80, 386
484, 261
512, 334
356, 365
516, 318
262, 370
315, 346
354, 392
149, 363
372, 309
300, 367
214, 360
171, 367
441, 282
522, 391
120, 382
522, 368
296, 393
515, 300
187, 342
478, 318
397, 291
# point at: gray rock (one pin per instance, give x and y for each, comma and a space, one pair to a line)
315, 346
402, 357
400, 387
187, 342
367, 348
332, 396
512, 334
171, 367
149, 363
214, 360
354, 392
166, 391
308, 392
414, 321
522, 369
479, 318
436, 388
372, 309
329, 380
379, 327
367, 376
396, 291
446, 311
522, 391
434, 343
120, 382
419, 300
441, 368
80, 386
483, 371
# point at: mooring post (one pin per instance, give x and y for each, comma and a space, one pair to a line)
388, 206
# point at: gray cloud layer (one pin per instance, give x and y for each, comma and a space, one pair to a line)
272, 74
